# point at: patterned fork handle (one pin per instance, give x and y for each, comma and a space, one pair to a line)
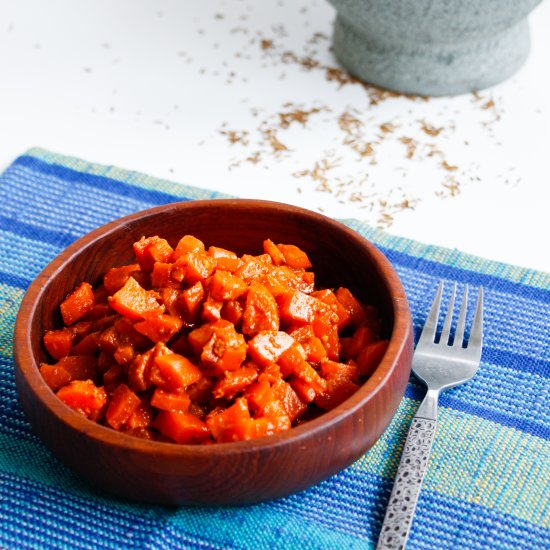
408, 480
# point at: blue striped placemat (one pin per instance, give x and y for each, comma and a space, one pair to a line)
488, 482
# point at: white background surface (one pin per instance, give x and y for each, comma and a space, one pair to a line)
160, 87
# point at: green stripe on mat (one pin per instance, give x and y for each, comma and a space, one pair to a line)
10, 300
451, 257
501, 468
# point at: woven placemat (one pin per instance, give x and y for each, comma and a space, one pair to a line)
488, 480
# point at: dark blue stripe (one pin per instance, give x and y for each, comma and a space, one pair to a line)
445, 271
416, 391
14, 280
107, 184
36, 232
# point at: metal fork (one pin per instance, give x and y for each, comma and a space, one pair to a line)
440, 365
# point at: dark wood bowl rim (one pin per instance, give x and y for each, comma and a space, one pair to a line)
29, 368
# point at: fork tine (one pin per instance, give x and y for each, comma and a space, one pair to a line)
476, 334
461, 324
448, 318
428, 332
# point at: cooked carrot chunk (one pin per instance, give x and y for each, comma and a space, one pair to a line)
371, 356
198, 345
177, 370
161, 328
294, 256
226, 286
181, 427
170, 401
226, 348
59, 342
77, 304
116, 277
268, 346
150, 250
234, 382
134, 302
260, 310
84, 397
121, 407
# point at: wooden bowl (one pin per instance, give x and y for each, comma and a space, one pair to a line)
225, 473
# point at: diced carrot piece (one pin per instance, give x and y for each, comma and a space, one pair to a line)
110, 339
254, 267
294, 256
271, 373
198, 267
351, 304
303, 390
226, 286
121, 407
77, 304
223, 424
138, 371
201, 392
170, 401
161, 276
328, 334
134, 302
298, 307
268, 345
262, 401
170, 298
234, 382
80, 367
328, 297
124, 354
55, 376
128, 334
340, 370
291, 359
59, 342
289, 399
112, 378
338, 390
226, 349
232, 311
363, 336
116, 277
260, 310
84, 397
225, 259
150, 250
191, 301
141, 417
301, 333
181, 427
271, 248
304, 371
282, 278
188, 244
315, 351
159, 329
99, 311
211, 310
177, 370
198, 338
82, 328
371, 356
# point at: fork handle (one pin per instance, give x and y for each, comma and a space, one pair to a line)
408, 480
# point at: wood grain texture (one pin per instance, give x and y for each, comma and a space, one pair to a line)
228, 473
